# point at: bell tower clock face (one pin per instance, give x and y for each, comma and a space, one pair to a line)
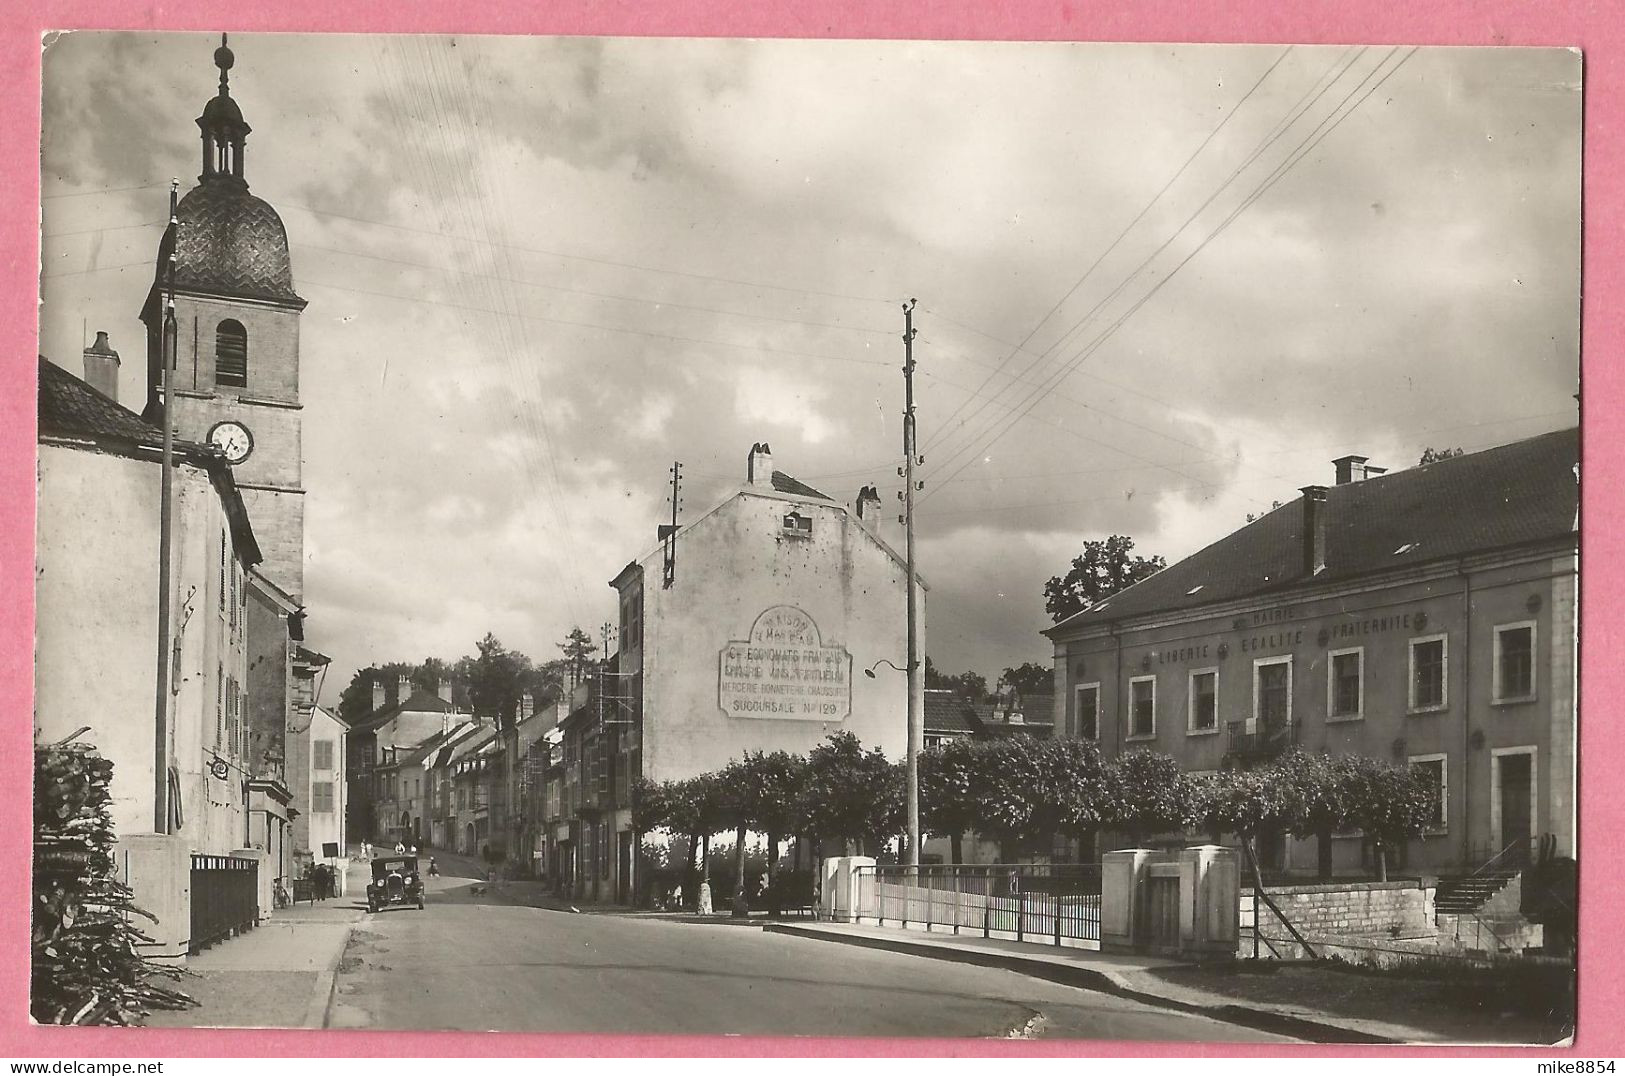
233, 440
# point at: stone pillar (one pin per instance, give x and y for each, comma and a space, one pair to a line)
1209, 901
1122, 886
838, 900
158, 869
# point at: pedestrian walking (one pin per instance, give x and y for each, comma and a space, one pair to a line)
400, 849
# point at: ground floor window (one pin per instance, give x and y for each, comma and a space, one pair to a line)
1435, 768
1204, 700
1142, 708
1086, 712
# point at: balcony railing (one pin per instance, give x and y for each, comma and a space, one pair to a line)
1261, 741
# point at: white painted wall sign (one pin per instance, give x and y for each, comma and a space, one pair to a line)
784, 670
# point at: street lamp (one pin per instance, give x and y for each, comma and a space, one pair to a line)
870, 671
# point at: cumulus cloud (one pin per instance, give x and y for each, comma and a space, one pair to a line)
540, 270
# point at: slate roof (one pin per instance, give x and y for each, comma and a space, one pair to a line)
949, 714
231, 242
1501, 498
69, 407
786, 484
419, 702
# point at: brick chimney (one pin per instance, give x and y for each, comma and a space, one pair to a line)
759, 468
1355, 469
403, 689
101, 367
443, 689
868, 508
1314, 529
527, 705
377, 692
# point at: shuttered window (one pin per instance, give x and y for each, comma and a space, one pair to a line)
231, 354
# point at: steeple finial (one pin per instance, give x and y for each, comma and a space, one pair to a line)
223, 59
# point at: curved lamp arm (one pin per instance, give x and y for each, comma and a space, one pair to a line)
870, 671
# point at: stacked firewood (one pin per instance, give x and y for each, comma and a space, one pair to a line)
87, 967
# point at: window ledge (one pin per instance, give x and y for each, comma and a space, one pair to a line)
1439, 709
1141, 738
1345, 719
1202, 732
1515, 700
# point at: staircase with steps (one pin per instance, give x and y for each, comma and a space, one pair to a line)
1468, 894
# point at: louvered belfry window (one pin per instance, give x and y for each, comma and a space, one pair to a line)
231, 354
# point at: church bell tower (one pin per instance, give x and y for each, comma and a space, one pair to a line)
236, 368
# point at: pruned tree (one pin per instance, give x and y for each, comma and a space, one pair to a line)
1388, 803
950, 775
762, 792
1101, 570
1146, 793
852, 795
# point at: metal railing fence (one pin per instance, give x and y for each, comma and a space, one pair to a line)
1055, 903
225, 898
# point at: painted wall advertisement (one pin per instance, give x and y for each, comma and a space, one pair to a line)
784, 671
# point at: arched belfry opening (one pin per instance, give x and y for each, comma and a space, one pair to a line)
224, 129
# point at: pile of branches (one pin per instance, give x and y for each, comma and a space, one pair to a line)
87, 965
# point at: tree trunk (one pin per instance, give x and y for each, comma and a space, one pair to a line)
772, 873
1323, 855
958, 841
705, 858
1382, 862
742, 886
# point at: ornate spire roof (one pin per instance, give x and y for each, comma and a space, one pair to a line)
229, 242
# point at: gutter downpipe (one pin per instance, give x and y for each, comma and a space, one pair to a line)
1467, 716
166, 357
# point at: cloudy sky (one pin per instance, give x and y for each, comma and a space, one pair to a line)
1160, 287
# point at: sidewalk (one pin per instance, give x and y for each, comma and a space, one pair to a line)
1143, 978
280, 974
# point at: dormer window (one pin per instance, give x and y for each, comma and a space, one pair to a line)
797, 525
231, 354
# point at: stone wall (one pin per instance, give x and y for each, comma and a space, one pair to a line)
1371, 909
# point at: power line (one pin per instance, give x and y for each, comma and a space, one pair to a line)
104, 190
1304, 103
594, 294
303, 280
931, 442
111, 228
582, 257
1304, 148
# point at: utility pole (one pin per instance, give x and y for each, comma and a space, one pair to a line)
668, 534
166, 359
606, 632
916, 693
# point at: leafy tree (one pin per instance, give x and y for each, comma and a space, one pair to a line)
1389, 803
1315, 799
764, 793
1030, 678
496, 677
578, 649
1145, 793
1434, 455
851, 794
1101, 570
966, 685
950, 775
693, 807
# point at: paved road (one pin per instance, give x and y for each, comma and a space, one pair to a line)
480, 962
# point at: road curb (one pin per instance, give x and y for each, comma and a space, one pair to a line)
1088, 978
327, 984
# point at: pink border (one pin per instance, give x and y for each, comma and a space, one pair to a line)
1459, 22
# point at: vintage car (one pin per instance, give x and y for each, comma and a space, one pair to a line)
395, 880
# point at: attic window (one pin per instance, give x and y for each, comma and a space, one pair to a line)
1406, 548
1194, 589
797, 525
